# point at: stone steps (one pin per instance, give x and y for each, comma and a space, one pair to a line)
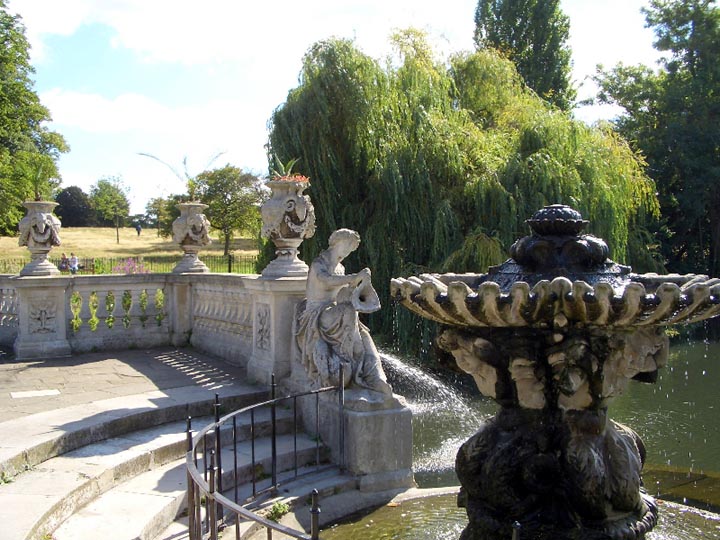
143, 506
65, 458
30, 440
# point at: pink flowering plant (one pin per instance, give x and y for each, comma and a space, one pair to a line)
130, 266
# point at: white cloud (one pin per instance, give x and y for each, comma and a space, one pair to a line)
264, 43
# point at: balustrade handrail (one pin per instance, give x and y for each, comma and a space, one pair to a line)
207, 482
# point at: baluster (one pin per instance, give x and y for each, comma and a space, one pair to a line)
135, 311
102, 312
117, 311
84, 309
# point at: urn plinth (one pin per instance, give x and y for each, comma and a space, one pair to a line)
553, 335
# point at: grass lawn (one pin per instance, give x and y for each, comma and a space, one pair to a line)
101, 242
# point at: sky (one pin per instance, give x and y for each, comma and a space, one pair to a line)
185, 81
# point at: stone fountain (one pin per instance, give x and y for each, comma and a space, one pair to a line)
553, 335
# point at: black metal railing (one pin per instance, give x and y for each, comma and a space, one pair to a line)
156, 264
212, 507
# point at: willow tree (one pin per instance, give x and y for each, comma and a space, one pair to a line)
438, 165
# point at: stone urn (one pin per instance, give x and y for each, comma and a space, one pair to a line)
192, 232
288, 217
40, 232
553, 335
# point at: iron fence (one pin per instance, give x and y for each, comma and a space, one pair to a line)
160, 264
211, 507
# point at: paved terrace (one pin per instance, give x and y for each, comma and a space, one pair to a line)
39, 386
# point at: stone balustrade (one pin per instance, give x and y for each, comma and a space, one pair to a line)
231, 316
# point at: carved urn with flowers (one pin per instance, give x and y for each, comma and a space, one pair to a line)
288, 217
553, 335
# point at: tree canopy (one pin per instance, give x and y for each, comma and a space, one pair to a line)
437, 166
74, 208
672, 116
533, 34
108, 198
28, 150
232, 197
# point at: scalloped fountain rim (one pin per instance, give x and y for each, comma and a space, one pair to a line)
643, 300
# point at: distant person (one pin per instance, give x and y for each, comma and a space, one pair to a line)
73, 263
64, 263
138, 228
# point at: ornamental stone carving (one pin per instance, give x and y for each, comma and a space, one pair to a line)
40, 232
328, 331
42, 318
288, 218
192, 232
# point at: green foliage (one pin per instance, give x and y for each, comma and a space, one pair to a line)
277, 511
533, 34
670, 116
437, 166
157, 213
74, 209
108, 198
28, 150
233, 198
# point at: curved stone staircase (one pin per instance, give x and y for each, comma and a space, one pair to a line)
114, 468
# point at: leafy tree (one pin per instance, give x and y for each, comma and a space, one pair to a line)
108, 198
672, 116
74, 208
232, 197
28, 150
157, 212
533, 34
438, 166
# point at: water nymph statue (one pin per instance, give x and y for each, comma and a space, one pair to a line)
328, 331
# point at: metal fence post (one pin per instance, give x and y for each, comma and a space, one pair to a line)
516, 530
273, 387
190, 486
212, 515
315, 516
218, 449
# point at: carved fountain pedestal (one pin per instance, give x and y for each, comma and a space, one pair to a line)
553, 334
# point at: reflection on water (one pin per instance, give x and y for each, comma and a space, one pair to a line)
438, 518
677, 417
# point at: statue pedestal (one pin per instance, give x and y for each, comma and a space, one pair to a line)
376, 444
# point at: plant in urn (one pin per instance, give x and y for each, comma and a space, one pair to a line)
288, 217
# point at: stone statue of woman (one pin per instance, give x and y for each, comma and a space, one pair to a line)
329, 332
